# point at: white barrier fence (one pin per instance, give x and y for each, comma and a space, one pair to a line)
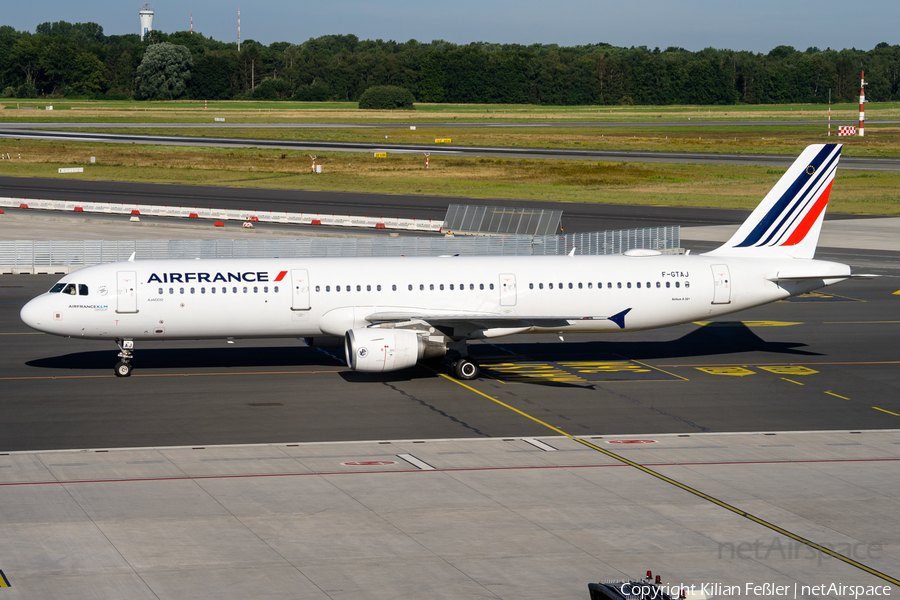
224, 214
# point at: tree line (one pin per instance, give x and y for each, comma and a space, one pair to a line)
78, 60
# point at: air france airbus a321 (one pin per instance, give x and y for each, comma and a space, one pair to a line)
392, 312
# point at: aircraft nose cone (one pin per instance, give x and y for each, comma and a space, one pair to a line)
31, 314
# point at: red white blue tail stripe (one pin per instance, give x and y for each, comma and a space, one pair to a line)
787, 222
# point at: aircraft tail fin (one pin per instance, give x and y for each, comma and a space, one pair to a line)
788, 220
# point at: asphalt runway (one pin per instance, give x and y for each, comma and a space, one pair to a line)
847, 162
823, 362
577, 217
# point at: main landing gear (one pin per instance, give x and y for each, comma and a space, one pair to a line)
123, 367
462, 367
465, 368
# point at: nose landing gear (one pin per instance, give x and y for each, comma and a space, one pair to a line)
123, 367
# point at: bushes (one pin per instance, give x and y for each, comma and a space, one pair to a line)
386, 97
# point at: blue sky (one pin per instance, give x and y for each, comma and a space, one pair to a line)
758, 25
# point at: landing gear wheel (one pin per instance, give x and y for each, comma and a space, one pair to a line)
123, 369
466, 369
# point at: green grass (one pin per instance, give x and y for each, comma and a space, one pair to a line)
727, 186
194, 111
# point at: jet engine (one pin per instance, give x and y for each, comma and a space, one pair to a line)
376, 349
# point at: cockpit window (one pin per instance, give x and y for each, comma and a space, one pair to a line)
57, 288
70, 289
82, 289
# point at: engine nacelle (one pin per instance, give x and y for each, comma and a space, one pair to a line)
376, 349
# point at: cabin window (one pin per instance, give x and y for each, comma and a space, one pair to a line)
492, 286
609, 285
648, 284
368, 288
687, 284
638, 284
409, 287
265, 289
471, 286
171, 290
212, 290
327, 288
255, 290
677, 284
451, 287
668, 284
540, 286
657, 284
394, 287
560, 286
318, 289
590, 285
160, 291
192, 290
359, 288
57, 288
442, 287
550, 285
619, 285
234, 290
628, 285
203, 290
462, 286
180, 290
276, 289
431, 287
530, 286
377, 288
580, 286
480, 286
421, 287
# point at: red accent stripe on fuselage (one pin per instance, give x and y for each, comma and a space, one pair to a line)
281, 276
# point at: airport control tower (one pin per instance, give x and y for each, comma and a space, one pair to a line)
146, 13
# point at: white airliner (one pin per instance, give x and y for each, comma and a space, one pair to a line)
390, 313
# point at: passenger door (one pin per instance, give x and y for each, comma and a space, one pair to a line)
721, 284
126, 292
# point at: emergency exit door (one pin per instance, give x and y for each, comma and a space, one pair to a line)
721, 284
126, 292
507, 289
299, 289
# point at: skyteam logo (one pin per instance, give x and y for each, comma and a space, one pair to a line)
798, 202
227, 277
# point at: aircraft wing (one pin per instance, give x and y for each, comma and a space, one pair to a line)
488, 321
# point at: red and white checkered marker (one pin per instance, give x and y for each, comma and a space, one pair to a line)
844, 130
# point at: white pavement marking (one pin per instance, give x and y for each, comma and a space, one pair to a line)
416, 462
539, 444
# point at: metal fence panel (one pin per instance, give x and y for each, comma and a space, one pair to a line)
39, 256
